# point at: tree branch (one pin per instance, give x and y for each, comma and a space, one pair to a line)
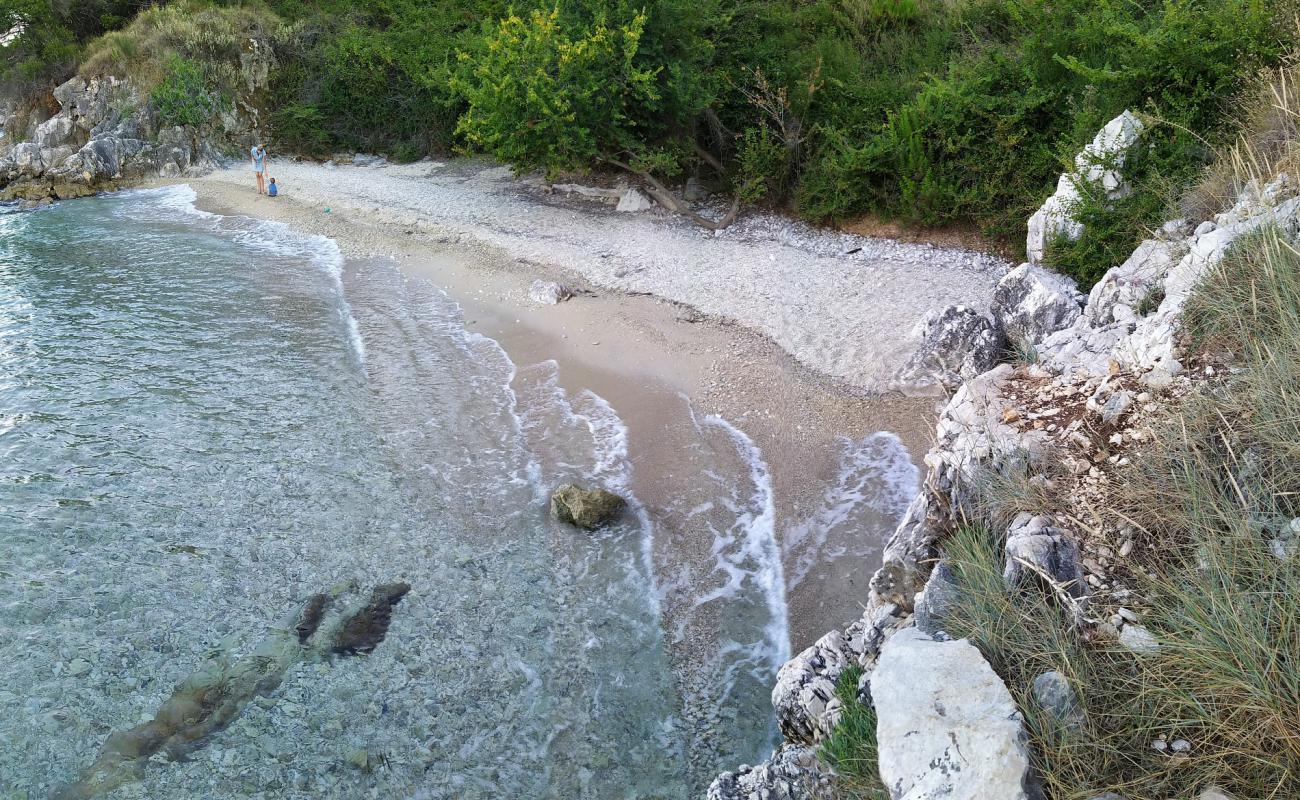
669, 200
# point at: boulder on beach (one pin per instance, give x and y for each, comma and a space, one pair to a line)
586, 508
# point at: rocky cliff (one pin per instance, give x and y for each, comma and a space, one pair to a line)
101, 132
1097, 369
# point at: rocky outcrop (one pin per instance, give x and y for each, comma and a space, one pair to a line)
1089, 395
946, 725
1031, 302
105, 133
1131, 318
586, 508
957, 343
793, 773
1098, 166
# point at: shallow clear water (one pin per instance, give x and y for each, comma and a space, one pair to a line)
206, 420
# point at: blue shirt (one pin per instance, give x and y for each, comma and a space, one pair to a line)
272, 190
259, 155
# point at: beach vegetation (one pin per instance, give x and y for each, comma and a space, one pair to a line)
920, 112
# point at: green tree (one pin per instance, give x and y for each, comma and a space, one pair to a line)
543, 97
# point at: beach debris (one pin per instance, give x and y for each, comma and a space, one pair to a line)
549, 292
368, 626
210, 699
586, 508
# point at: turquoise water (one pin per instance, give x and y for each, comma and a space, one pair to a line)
206, 420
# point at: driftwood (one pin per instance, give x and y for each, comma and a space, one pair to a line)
669, 199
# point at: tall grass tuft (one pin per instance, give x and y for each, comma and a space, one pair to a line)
851, 748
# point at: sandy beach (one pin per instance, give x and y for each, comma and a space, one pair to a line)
645, 330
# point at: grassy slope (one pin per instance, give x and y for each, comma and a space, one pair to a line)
1210, 494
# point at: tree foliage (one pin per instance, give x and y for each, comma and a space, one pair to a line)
542, 95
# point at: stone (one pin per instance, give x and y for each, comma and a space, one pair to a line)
1107, 796
1031, 302
792, 773
78, 667
634, 200
549, 292
1098, 164
937, 600
946, 725
1053, 693
1213, 792
1138, 639
805, 686
1035, 548
957, 343
1180, 746
586, 508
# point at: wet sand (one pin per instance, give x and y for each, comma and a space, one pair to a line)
641, 354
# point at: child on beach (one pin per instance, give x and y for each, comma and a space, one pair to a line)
272, 190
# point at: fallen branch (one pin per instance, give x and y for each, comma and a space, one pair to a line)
669, 200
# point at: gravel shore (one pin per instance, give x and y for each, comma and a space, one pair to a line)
841, 304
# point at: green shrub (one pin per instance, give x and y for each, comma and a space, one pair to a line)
183, 98
541, 96
762, 165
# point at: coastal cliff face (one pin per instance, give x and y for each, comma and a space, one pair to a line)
107, 132
1093, 373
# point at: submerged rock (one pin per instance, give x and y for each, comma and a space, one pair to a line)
947, 726
586, 508
368, 626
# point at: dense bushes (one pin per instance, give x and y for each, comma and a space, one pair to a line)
52, 35
925, 111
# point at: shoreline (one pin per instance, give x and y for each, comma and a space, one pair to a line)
639, 352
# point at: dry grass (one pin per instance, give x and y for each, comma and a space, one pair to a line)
215, 38
1268, 144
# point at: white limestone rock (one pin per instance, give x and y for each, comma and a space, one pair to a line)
1100, 163
947, 726
1031, 302
805, 685
792, 773
634, 200
957, 343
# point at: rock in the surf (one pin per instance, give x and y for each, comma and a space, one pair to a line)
586, 508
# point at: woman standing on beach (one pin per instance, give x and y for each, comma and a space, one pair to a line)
258, 154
